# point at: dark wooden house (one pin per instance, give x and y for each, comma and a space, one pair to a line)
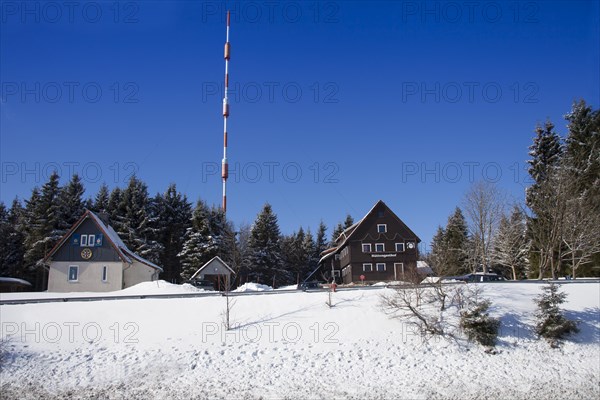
379, 247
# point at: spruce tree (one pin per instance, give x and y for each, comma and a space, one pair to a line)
552, 324
545, 197
101, 201
456, 237
321, 240
174, 219
199, 245
12, 249
135, 223
71, 204
264, 250
309, 249
439, 253
348, 222
339, 228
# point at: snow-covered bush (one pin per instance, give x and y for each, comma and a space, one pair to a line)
552, 324
477, 324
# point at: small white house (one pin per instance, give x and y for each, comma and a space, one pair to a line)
91, 257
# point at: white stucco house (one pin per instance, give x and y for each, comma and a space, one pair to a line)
91, 257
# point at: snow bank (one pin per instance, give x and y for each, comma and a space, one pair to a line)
281, 345
253, 287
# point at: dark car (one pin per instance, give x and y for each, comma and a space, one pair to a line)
309, 285
203, 284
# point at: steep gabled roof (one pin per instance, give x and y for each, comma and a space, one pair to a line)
217, 259
349, 232
113, 238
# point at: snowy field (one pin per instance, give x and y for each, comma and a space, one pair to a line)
288, 346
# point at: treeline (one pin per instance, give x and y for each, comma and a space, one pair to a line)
166, 229
555, 233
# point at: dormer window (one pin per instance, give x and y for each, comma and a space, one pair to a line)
381, 228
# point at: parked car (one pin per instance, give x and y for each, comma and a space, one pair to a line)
309, 285
203, 284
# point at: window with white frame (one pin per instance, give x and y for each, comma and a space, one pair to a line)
381, 228
105, 273
91, 240
400, 247
83, 241
379, 247
366, 247
380, 267
367, 267
73, 273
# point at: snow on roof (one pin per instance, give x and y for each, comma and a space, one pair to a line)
14, 280
113, 238
424, 268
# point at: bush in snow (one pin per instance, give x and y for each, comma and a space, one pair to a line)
478, 325
552, 324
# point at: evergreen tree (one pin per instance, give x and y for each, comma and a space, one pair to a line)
309, 249
12, 248
71, 204
135, 223
264, 250
339, 228
456, 237
41, 221
321, 240
199, 243
101, 201
439, 253
511, 245
546, 198
174, 219
583, 150
116, 207
552, 325
348, 222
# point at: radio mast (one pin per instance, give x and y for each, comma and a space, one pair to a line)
224, 165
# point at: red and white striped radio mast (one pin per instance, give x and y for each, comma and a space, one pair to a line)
224, 165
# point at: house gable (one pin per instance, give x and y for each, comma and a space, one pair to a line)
101, 249
215, 266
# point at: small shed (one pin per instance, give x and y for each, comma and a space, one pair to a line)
8, 285
217, 271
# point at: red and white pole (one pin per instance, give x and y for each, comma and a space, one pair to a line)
224, 164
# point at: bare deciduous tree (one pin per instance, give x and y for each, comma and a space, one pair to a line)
581, 236
484, 206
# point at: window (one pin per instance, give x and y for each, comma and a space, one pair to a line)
381, 228
366, 247
104, 273
91, 240
84, 240
379, 247
367, 267
400, 247
380, 267
73, 273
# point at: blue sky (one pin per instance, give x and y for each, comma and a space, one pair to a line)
335, 104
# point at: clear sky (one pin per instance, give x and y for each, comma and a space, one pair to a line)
336, 104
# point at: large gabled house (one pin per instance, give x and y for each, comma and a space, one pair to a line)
91, 257
379, 247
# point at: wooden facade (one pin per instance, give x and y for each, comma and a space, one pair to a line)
379, 247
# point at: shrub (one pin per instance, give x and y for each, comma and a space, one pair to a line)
552, 324
478, 325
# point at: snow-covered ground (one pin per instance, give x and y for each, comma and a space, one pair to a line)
289, 345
